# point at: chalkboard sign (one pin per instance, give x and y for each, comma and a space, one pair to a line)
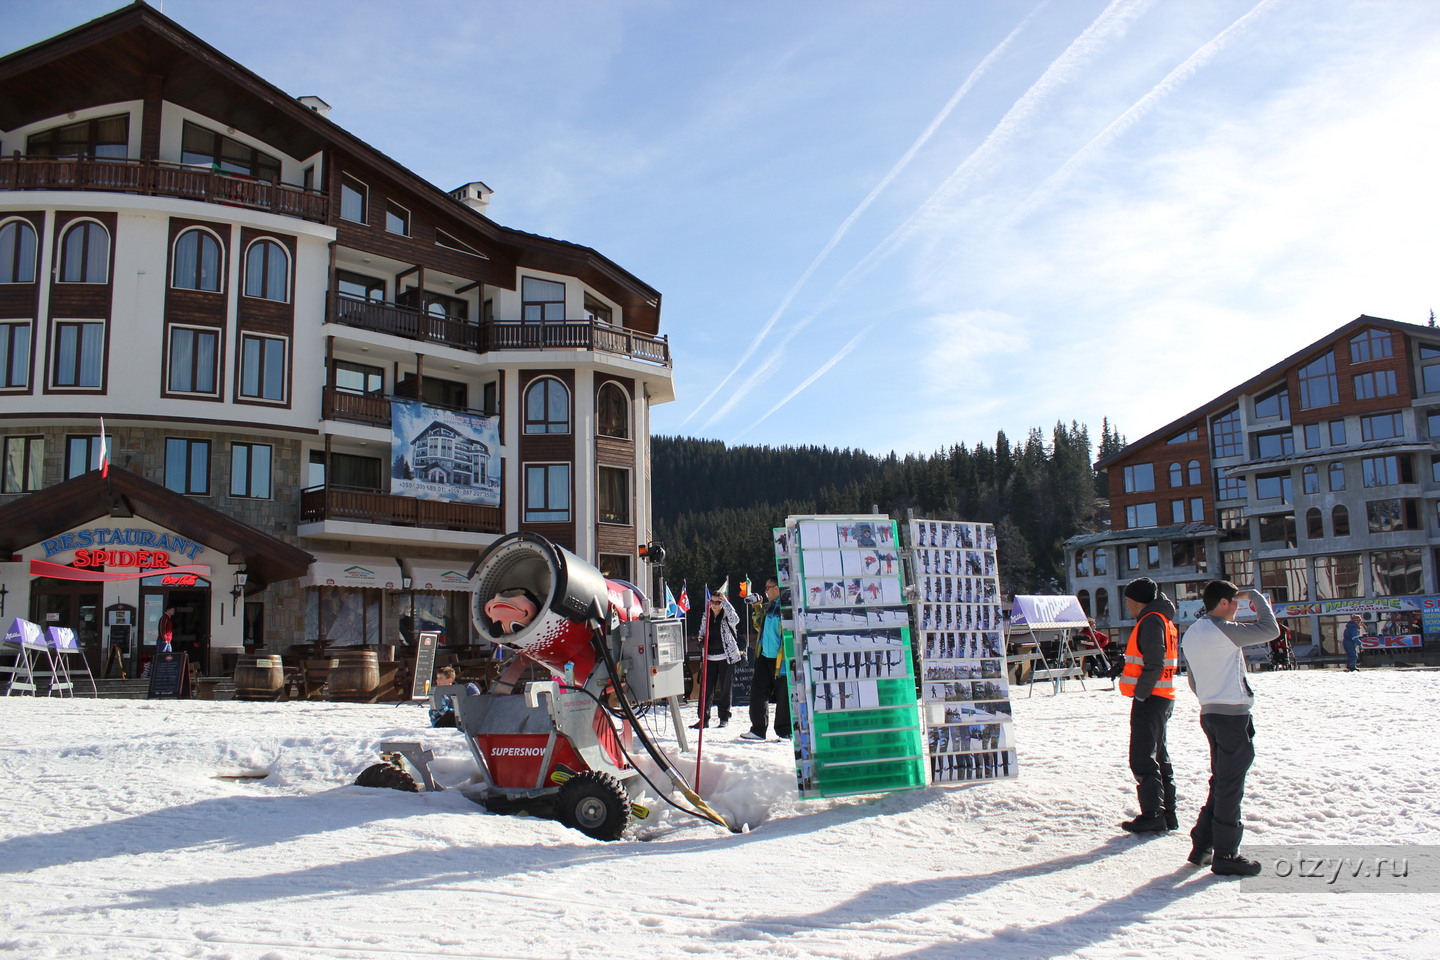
429, 641
170, 676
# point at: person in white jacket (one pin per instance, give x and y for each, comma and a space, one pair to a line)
1214, 652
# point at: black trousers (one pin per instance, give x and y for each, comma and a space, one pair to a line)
769, 682
719, 677
1232, 750
1149, 758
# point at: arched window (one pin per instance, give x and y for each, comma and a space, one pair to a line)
1194, 470
1177, 476
267, 271
1082, 563
547, 407
85, 253
1084, 597
197, 261
612, 411
1340, 521
1314, 526
17, 252
1102, 566
1310, 478
1102, 603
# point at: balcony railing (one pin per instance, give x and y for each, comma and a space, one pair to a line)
368, 506
160, 179
498, 335
372, 409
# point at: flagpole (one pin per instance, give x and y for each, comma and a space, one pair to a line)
704, 674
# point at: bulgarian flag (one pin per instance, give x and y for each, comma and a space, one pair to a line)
104, 451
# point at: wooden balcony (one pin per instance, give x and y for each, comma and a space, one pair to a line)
318, 504
371, 409
498, 335
160, 179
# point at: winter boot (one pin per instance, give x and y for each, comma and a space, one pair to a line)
1199, 856
1146, 823
1234, 865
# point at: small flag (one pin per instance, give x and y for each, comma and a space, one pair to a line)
672, 606
745, 587
684, 602
104, 451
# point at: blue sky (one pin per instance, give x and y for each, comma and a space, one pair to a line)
900, 225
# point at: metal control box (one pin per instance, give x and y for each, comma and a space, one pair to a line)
651, 655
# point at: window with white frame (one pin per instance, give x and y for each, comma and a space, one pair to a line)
547, 407
267, 271
250, 470
193, 361
15, 355
187, 465
612, 414
353, 199
397, 219
17, 252
197, 261
78, 354
262, 367
547, 492
85, 253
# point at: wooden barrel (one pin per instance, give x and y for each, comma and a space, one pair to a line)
259, 677
355, 676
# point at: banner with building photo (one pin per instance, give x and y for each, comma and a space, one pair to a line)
440, 454
960, 636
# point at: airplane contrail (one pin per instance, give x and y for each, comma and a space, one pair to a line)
1130, 117
870, 198
824, 369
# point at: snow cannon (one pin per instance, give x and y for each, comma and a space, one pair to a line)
569, 597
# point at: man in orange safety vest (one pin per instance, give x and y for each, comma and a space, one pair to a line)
1148, 679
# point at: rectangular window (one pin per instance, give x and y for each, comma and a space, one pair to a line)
1189, 553
1277, 444
1318, 386
1233, 523
1337, 577
187, 466
359, 378
1271, 486
100, 137
1377, 383
614, 501
1382, 426
1387, 516
250, 470
1236, 566
352, 472
1177, 511
1139, 478
1396, 573
1432, 424
1185, 436
1152, 555
1284, 580
1337, 432
193, 360
79, 354
1140, 515
1226, 437
1278, 528
1312, 436
1229, 488
1132, 559
82, 454
14, 356
262, 367
1383, 471
1197, 510
547, 492
208, 148
357, 286
1273, 403
352, 199
24, 464
542, 301
397, 219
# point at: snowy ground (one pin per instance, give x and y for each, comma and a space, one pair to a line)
125, 835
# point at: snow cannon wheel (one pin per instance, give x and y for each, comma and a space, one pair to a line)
595, 804
386, 776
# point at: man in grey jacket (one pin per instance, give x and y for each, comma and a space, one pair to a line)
1214, 651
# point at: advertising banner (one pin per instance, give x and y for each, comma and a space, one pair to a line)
442, 454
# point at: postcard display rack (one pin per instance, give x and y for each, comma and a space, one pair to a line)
961, 640
855, 718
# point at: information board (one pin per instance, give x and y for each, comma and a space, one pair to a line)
169, 676
855, 719
426, 645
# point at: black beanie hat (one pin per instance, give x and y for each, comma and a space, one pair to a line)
1142, 590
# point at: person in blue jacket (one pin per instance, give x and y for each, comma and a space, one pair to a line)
771, 675
1353, 630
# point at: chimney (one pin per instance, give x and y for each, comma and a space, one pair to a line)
316, 104
474, 195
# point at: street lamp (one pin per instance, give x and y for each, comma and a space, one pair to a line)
238, 591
